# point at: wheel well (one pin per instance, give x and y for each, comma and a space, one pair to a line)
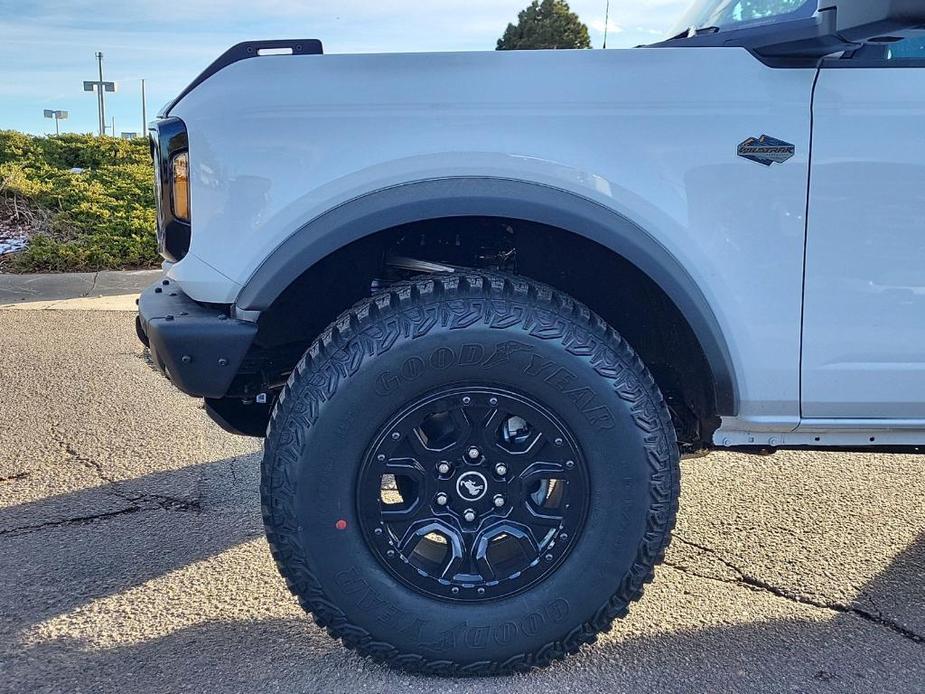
606, 282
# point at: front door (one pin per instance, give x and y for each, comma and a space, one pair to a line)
864, 304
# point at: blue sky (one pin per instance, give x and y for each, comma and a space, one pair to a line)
47, 46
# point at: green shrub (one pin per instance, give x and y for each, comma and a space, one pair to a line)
101, 217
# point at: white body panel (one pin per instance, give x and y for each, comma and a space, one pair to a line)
864, 340
651, 133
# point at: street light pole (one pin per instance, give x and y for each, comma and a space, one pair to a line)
606, 23
99, 86
144, 110
99, 61
57, 115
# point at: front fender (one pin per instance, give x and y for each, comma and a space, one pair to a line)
511, 199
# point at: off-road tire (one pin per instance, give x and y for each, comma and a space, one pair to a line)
330, 408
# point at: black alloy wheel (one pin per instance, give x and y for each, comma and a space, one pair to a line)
473, 494
469, 474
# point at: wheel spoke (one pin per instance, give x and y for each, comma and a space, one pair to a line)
459, 524
535, 472
410, 479
412, 533
480, 560
455, 558
418, 447
463, 429
490, 426
404, 467
534, 515
403, 514
526, 538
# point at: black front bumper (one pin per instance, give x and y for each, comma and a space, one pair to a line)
197, 346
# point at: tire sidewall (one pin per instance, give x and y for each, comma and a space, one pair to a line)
599, 396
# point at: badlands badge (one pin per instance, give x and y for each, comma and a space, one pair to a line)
766, 150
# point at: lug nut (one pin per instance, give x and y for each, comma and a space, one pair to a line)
499, 500
474, 453
443, 468
501, 469
441, 499
469, 515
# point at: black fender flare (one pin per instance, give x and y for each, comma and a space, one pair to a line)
506, 198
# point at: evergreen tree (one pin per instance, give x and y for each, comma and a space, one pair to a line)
546, 24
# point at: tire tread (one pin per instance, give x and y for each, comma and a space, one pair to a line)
357, 334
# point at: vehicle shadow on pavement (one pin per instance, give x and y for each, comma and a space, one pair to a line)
871, 645
108, 539
291, 655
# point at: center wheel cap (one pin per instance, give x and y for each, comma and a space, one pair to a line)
471, 486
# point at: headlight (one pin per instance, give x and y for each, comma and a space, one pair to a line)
179, 170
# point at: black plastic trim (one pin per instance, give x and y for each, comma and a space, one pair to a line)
242, 51
506, 198
239, 418
198, 347
881, 64
791, 43
804, 41
169, 138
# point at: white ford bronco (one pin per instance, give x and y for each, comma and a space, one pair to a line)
479, 304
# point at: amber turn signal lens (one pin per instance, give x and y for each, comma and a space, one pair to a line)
180, 182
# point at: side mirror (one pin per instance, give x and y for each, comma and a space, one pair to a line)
838, 26
821, 28
865, 20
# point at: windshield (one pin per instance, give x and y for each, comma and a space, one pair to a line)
727, 13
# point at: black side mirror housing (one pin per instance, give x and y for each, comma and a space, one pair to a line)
863, 20
837, 26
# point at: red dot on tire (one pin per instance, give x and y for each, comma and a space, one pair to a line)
341, 524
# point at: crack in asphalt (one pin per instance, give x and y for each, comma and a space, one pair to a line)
79, 520
138, 501
87, 293
15, 476
757, 584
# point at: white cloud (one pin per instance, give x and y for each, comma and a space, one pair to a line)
598, 25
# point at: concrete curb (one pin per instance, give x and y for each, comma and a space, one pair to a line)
107, 291
119, 302
73, 285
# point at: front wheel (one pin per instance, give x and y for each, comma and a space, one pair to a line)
469, 474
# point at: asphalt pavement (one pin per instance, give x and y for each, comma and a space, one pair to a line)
132, 556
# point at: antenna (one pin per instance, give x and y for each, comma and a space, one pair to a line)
606, 22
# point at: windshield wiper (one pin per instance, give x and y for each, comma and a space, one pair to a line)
694, 31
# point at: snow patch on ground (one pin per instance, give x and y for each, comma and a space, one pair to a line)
14, 233
11, 244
